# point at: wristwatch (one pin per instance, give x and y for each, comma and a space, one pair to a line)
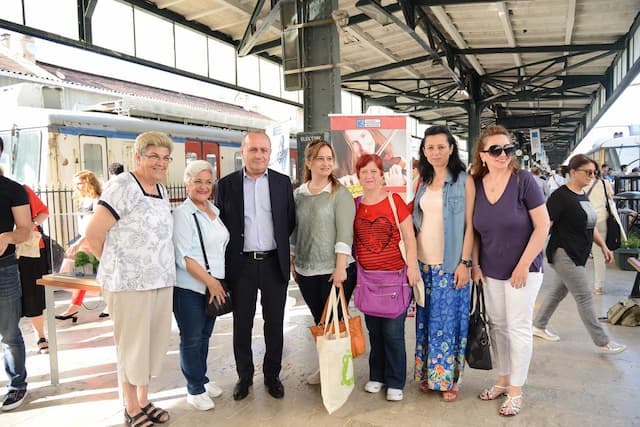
467, 263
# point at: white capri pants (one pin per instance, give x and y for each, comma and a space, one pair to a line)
510, 313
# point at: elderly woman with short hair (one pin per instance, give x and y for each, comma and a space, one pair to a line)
193, 279
131, 233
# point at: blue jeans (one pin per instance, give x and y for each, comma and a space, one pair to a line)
10, 312
388, 355
195, 330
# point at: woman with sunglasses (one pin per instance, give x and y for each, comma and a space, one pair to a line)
442, 217
573, 232
512, 223
321, 242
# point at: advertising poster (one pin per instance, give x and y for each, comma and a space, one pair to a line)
279, 136
386, 136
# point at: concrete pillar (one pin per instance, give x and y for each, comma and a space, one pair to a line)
321, 48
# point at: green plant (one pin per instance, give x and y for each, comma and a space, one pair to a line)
632, 242
83, 258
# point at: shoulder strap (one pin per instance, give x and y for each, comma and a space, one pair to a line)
592, 187
606, 197
204, 253
395, 213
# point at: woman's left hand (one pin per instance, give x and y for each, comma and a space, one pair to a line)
519, 276
608, 255
413, 275
461, 276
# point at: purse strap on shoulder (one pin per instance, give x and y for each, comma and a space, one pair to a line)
204, 253
395, 213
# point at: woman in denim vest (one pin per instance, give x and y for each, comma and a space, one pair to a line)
442, 217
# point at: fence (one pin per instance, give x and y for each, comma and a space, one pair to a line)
62, 225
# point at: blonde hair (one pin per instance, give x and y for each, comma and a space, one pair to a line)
478, 168
92, 189
152, 139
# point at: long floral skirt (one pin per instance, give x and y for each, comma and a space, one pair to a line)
441, 330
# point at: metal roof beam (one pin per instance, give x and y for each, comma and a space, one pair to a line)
584, 48
253, 33
503, 15
386, 67
412, 33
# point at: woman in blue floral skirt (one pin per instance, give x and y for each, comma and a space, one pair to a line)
442, 217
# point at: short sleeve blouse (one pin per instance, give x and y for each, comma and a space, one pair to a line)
138, 253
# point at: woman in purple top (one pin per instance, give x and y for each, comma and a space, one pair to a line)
511, 221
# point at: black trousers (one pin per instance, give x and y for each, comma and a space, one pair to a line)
315, 290
266, 276
31, 269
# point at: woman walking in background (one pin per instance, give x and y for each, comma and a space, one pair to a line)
600, 194
573, 233
87, 191
442, 217
321, 242
512, 224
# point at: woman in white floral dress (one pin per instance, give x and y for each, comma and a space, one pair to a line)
131, 233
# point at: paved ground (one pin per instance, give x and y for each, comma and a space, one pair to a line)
570, 383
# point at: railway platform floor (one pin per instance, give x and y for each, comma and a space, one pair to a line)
570, 383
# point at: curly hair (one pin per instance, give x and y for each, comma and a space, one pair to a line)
92, 189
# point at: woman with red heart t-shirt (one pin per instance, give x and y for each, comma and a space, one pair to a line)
376, 239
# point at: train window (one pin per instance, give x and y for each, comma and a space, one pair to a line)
190, 157
237, 161
26, 158
92, 158
213, 161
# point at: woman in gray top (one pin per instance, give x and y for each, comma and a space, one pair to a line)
321, 242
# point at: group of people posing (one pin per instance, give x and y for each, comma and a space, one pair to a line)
488, 226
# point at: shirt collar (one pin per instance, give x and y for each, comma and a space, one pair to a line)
193, 208
244, 173
304, 189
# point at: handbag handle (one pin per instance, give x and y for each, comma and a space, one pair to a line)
395, 213
345, 308
332, 300
204, 253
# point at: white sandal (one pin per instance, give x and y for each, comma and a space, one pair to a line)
493, 393
511, 406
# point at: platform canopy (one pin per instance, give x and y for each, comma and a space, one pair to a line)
555, 65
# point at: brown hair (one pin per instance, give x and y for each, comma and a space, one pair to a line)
310, 153
479, 168
92, 189
578, 161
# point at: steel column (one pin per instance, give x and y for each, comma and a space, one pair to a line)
321, 47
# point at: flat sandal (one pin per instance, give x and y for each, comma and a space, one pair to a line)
155, 414
511, 406
139, 420
493, 393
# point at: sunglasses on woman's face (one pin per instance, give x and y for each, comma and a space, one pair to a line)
497, 150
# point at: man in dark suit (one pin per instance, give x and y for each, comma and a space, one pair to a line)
256, 204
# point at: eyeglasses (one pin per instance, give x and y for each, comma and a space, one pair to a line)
199, 182
497, 150
156, 158
589, 172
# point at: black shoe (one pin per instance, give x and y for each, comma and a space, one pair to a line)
13, 399
274, 387
241, 389
103, 315
72, 316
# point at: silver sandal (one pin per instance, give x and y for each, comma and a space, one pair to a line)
511, 406
493, 393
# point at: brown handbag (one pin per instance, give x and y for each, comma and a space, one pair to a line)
358, 345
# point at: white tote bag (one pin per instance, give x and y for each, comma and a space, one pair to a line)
337, 378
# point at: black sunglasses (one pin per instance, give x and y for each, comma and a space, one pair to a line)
497, 150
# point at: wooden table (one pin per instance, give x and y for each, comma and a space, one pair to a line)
51, 281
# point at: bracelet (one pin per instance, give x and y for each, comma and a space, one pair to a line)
476, 266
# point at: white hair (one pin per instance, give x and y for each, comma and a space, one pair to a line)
195, 167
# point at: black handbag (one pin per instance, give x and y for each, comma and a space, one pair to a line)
214, 308
613, 237
478, 353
